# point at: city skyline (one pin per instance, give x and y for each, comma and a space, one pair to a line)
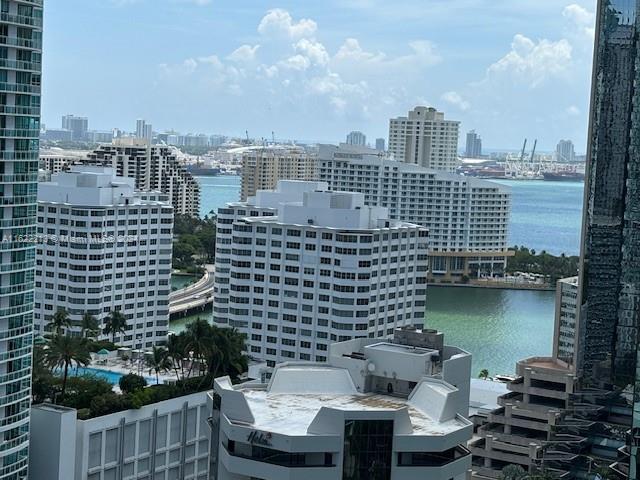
288, 61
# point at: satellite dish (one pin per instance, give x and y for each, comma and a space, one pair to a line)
371, 367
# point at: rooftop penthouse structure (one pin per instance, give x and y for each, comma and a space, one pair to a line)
377, 409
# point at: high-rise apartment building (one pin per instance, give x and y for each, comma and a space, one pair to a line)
356, 138
565, 152
20, 80
393, 410
263, 167
467, 218
474, 145
104, 248
154, 168
144, 130
565, 319
324, 268
425, 138
78, 126
380, 144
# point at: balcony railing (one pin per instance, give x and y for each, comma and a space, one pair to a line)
20, 132
21, 42
21, 19
19, 88
19, 178
20, 65
18, 200
20, 155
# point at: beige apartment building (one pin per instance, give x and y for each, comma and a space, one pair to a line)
262, 167
425, 138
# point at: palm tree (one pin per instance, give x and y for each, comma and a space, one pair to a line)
176, 352
63, 352
158, 362
198, 341
484, 374
225, 355
115, 323
60, 320
89, 325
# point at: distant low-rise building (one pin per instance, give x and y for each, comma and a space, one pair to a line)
104, 248
377, 409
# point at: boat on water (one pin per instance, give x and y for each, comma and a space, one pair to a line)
201, 171
564, 176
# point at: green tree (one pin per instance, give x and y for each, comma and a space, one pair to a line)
89, 326
131, 383
513, 472
198, 342
176, 353
484, 374
59, 321
158, 362
114, 324
63, 352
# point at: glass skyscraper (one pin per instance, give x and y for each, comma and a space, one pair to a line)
20, 71
607, 353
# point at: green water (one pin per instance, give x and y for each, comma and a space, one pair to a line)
181, 281
179, 324
497, 326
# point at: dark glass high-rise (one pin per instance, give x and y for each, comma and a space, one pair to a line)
607, 353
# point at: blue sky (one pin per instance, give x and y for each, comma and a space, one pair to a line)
316, 69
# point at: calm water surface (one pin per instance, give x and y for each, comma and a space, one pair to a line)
497, 326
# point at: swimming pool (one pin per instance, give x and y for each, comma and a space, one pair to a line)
112, 377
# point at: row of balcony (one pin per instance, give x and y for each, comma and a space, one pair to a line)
19, 133
35, 44
19, 88
20, 155
21, 19
19, 178
20, 65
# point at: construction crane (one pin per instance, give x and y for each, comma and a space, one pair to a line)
533, 152
524, 147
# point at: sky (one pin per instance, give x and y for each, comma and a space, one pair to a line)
313, 70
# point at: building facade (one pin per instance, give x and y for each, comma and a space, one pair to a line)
104, 248
474, 145
467, 218
425, 138
78, 126
565, 326
565, 152
607, 344
376, 409
324, 268
356, 138
163, 441
380, 144
20, 84
154, 168
263, 167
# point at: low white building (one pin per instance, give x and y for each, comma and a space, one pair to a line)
164, 441
104, 247
324, 268
377, 409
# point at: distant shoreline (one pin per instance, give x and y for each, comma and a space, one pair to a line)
496, 286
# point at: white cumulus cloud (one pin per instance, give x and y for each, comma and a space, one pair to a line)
455, 99
278, 22
244, 53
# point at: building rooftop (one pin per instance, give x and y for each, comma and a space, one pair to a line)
545, 363
297, 394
